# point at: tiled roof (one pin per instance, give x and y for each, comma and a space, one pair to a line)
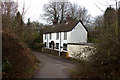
63, 27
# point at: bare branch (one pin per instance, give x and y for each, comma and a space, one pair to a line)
99, 8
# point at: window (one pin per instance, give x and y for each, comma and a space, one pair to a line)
45, 36
65, 47
65, 35
50, 35
50, 45
57, 45
57, 35
45, 44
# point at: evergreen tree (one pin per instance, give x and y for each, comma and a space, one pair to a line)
19, 19
109, 16
18, 27
28, 23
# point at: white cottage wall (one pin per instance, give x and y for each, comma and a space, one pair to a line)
78, 34
53, 38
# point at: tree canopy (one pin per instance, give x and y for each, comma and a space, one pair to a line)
60, 11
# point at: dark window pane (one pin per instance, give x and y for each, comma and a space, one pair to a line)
50, 45
65, 47
57, 45
45, 44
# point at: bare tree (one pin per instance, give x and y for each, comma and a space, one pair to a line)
60, 10
79, 13
55, 10
99, 21
64, 10
8, 11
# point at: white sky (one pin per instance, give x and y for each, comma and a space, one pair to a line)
36, 7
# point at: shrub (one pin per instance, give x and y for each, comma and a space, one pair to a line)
16, 57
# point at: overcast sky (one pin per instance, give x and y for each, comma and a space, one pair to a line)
36, 7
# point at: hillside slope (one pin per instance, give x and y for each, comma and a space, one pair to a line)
17, 59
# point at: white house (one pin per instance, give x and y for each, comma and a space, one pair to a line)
59, 35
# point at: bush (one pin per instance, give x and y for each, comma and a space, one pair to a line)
37, 43
17, 59
104, 62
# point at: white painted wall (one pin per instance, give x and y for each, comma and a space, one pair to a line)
78, 34
53, 38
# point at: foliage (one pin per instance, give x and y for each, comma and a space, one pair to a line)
6, 64
108, 19
28, 23
93, 31
16, 56
37, 43
104, 62
12, 20
8, 11
60, 11
17, 59
107, 56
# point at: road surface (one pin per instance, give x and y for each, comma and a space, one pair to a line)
52, 66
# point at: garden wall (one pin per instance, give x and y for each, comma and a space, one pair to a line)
53, 52
79, 50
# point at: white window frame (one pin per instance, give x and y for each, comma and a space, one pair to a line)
50, 36
45, 36
65, 35
57, 36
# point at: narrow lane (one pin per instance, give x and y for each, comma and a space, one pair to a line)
52, 67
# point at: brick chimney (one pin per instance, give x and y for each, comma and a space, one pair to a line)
67, 19
54, 22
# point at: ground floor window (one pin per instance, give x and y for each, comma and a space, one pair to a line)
57, 45
65, 47
45, 44
50, 45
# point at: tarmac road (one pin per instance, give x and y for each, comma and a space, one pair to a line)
52, 66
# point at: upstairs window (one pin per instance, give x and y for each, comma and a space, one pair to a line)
50, 36
65, 47
57, 36
57, 45
65, 35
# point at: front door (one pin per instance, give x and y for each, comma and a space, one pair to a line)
52, 44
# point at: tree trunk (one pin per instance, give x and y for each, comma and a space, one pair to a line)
119, 22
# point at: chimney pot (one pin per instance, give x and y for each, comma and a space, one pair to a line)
54, 21
67, 19
67, 16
